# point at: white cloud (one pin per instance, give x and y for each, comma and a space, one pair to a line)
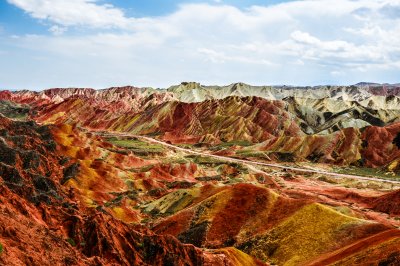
336, 73
57, 30
305, 37
220, 57
332, 51
74, 12
299, 42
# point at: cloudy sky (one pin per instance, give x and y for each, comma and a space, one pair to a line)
103, 43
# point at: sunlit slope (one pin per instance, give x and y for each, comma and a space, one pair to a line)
272, 227
121, 180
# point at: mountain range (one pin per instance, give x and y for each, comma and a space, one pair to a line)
201, 175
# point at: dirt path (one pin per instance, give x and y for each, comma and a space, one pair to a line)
229, 159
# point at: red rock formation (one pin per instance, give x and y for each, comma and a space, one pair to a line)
5, 95
380, 147
43, 222
384, 90
388, 203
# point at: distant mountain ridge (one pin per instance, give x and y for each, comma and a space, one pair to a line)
226, 90
320, 109
311, 117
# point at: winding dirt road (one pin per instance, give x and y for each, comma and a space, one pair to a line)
229, 159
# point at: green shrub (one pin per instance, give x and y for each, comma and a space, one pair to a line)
71, 242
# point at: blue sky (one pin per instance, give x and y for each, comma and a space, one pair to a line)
158, 43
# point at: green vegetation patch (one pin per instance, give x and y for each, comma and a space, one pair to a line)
251, 154
142, 169
368, 172
184, 145
119, 196
204, 160
71, 242
137, 146
13, 110
224, 145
